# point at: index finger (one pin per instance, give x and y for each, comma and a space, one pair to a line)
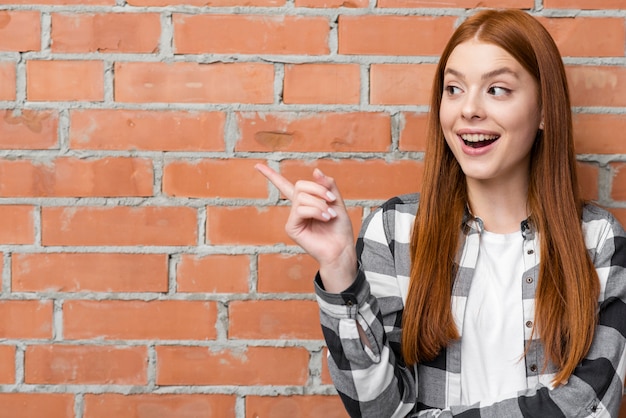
281, 183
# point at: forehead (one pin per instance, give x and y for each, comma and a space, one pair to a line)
481, 57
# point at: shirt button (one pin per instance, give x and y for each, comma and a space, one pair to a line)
533, 368
529, 280
349, 303
529, 324
530, 252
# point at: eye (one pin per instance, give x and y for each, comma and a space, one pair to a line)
452, 90
498, 91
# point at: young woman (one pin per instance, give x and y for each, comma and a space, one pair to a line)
502, 293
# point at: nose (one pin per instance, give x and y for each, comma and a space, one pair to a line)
473, 106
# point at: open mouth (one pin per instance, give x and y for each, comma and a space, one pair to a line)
479, 140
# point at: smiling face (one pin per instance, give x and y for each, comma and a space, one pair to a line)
489, 112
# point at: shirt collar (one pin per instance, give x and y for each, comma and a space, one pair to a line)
474, 225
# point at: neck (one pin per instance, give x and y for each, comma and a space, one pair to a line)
501, 205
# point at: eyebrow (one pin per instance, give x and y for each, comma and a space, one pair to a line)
490, 74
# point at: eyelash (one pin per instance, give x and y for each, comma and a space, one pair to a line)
452, 90
505, 91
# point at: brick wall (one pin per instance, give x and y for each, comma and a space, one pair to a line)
145, 271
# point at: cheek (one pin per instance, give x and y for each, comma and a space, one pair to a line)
526, 125
446, 118
526, 116
451, 141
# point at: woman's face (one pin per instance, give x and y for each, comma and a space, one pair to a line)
489, 112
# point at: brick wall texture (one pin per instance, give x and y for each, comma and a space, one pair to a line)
145, 269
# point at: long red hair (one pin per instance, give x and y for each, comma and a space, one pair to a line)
568, 286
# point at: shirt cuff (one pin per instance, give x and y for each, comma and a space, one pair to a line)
346, 303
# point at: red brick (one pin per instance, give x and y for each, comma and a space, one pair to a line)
188, 82
29, 405
274, 320
109, 405
17, 225
203, 3
25, 319
255, 226
20, 31
177, 365
117, 129
247, 225
30, 129
465, 4
588, 180
398, 84
7, 365
251, 34
332, 3
368, 179
286, 273
105, 32
572, 36
72, 272
596, 134
229, 178
597, 86
308, 406
7, 81
60, 2
65, 80
75, 177
618, 182
218, 273
584, 4
414, 132
394, 35
119, 225
82, 364
322, 83
139, 320
314, 132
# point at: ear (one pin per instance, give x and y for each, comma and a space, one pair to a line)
541, 124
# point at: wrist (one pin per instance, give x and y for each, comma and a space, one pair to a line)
339, 275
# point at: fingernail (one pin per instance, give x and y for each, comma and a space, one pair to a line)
325, 216
331, 196
332, 212
319, 172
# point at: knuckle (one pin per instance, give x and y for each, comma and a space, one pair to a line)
299, 185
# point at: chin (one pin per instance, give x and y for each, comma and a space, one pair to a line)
477, 174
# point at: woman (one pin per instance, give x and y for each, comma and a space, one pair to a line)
502, 294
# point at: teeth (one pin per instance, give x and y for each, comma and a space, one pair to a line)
478, 137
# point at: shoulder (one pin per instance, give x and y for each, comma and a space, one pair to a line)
592, 211
596, 219
404, 204
394, 217
599, 226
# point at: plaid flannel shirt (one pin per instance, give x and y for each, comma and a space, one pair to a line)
374, 382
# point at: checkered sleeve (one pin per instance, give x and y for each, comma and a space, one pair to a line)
595, 388
371, 378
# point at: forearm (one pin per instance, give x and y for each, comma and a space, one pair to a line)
370, 377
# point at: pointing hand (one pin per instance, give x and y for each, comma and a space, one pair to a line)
319, 223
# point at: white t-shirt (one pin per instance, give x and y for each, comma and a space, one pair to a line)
492, 361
